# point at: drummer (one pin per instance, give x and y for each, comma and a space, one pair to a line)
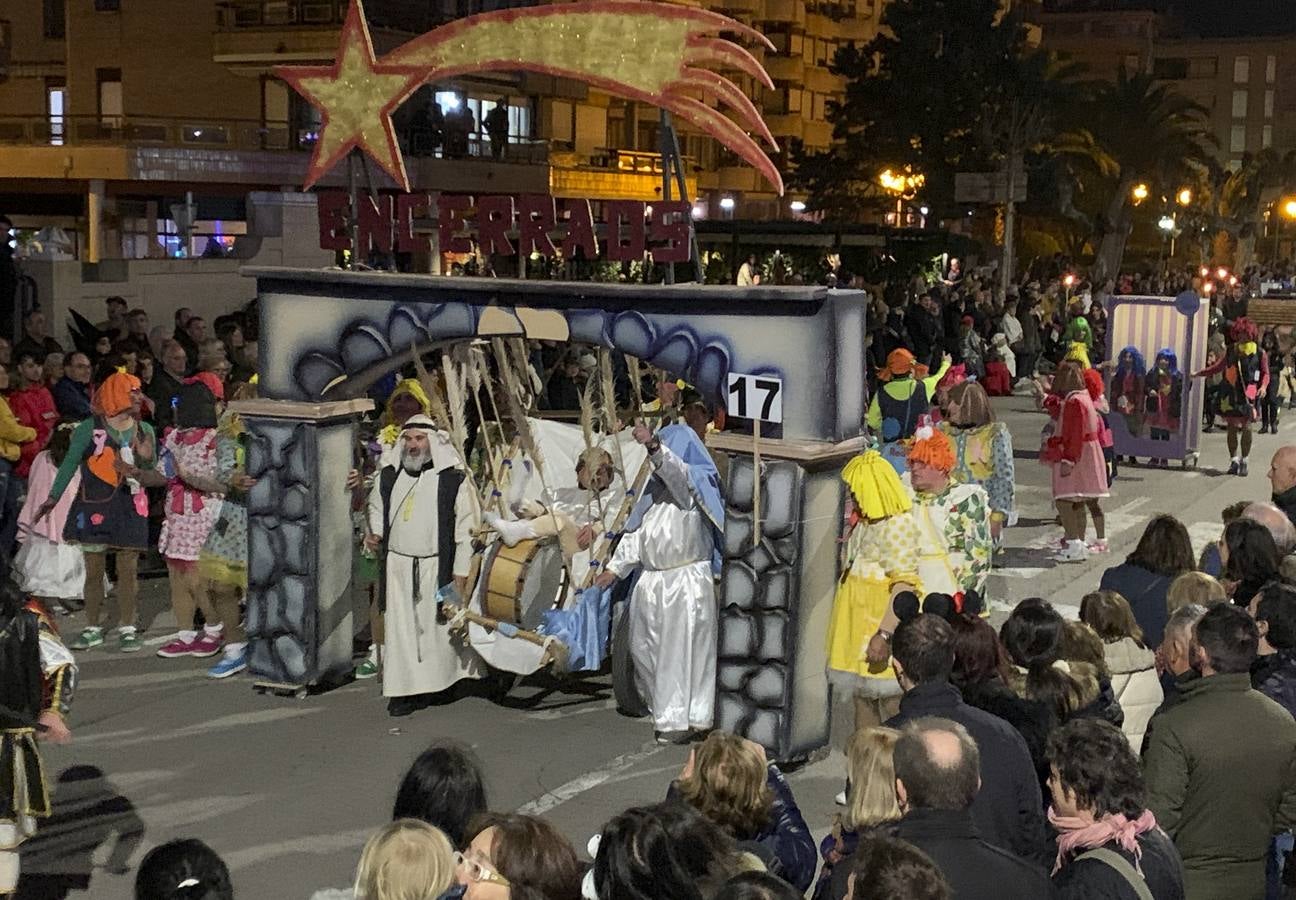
577, 515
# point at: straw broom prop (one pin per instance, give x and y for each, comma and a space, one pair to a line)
587, 432
607, 387
463, 355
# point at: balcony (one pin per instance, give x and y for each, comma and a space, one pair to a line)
791, 11
821, 81
613, 175
785, 68
783, 127
259, 33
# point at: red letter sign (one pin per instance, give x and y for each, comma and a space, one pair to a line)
332, 220
535, 221
580, 231
669, 231
450, 222
631, 247
407, 205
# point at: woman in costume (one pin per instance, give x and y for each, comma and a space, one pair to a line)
982, 449
1126, 390
881, 560
1077, 337
1094, 385
904, 398
1246, 379
1075, 455
37, 680
1163, 396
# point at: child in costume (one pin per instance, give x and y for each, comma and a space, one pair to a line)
1246, 379
37, 681
47, 566
193, 503
983, 451
1075, 455
902, 403
1077, 337
1163, 395
881, 560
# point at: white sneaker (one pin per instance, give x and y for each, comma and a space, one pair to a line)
1075, 551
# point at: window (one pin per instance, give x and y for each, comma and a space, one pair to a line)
1203, 67
1268, 104
1170, 68
819, 104
1266, 137
794, 101
1271, 68
1241, 69
110, 97
55, 105
54, 17
796, 46
1239, 104
1237, 139
107, 5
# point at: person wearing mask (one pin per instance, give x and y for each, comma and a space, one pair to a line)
33, 406
1131, 665
728, 779
939, 774
166, 384
1163, 553
516, 857
1108, 841
1007, 808
1219, 764
72, 391
116, 454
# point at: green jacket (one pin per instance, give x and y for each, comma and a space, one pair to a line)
1221, 780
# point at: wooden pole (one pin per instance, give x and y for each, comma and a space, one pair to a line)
756, 483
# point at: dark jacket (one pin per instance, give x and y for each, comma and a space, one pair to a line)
1008, 810
1146, 593
1032, 718
160, 390
838, 851
974, 869
1220, 768
72, 399
1286, 501
924, 331
786, 839
1105, 706
1093, 879
1275, 677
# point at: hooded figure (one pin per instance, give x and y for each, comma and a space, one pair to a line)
422, 513
674, 538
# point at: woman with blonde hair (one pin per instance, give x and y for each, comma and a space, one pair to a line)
871, 807
1194, 587
405, 860
983, 448
1130, 664
729, 781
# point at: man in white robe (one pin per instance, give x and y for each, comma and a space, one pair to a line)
421, 517
673, 539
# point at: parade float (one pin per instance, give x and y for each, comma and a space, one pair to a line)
788, 363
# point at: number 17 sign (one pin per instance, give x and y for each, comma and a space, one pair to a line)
757, 397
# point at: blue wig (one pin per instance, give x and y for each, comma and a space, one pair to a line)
1169, 355
1139, 368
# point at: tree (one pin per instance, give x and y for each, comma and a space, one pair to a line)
914, 95
1136, 131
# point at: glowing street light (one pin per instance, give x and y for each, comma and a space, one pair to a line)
1166, 224
727, 204
1221, 273
1139, 193
797, 206
1204, 272
1289, 208
1184, 197
1207, 287
905, 183
1068, 279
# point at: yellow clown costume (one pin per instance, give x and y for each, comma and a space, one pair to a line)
881, 559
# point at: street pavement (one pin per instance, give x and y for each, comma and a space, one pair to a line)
287, 790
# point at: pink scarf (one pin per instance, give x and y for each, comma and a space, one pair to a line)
1077, 834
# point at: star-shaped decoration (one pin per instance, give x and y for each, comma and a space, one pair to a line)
356, 96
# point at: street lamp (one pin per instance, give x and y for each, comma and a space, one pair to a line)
1289, 208
1184, 197
1166, 224
903, 185
1139, 193
797, 206
1221, 273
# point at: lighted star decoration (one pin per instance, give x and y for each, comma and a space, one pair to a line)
356, 96
650, 52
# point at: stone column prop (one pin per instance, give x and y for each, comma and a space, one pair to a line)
300, 541
776, 597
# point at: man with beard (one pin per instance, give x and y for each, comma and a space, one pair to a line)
421, 517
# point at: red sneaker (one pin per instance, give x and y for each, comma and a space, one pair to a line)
176, 648
207, 644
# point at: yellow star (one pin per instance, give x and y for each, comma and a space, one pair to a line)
356, 96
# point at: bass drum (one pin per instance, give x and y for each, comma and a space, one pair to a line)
523, 582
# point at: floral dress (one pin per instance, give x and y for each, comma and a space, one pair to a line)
190, 513
224, 556
879, 555
955, 547
985, 457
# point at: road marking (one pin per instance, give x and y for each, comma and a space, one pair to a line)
582, 783
315, 844
1117, 520
572, 709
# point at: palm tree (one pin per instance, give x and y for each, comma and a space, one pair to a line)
1136, 130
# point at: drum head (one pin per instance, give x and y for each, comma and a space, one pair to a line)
544, 581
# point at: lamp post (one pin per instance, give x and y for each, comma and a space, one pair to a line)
904, 185
1287, 210
1167, 226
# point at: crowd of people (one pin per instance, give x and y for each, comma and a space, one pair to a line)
1147, 749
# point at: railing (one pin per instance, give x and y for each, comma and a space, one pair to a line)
395, 15
232, 134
